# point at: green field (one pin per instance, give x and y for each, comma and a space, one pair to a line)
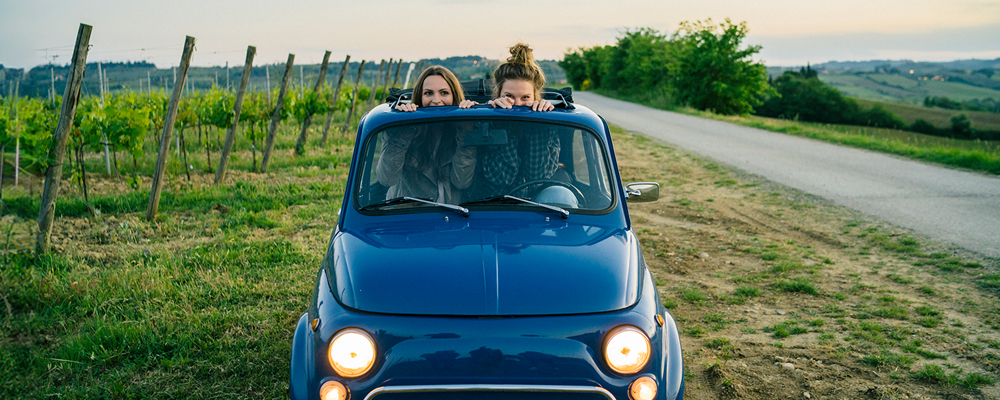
890, 87
940, 117
200, 303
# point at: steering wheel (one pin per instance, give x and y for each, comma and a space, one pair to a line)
576, 191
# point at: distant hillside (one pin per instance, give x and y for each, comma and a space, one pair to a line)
873, 64
959, 85
938, 117
37, 82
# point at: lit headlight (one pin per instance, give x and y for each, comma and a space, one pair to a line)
626, 349
352, 352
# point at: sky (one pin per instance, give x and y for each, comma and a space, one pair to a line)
791, 32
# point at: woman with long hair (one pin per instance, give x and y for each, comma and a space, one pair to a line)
436, 86
428, 161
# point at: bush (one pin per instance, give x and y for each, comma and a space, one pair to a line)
712, 72
807, 99
702, 65
922, 126
879, 117
961, 127
802, 96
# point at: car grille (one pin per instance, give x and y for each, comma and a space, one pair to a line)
486, 392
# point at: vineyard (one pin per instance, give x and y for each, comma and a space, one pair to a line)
115, 135
78, 275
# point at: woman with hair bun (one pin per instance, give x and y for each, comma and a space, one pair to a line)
527, 156
519, 81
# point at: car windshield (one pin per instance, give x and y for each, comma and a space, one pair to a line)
485, 164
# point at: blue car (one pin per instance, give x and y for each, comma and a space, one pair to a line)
486, 253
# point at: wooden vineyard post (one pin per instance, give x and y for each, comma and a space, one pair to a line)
220, 173
17, 137
10, 132
354, 97
168, 129
371, 99
409, 71
333, 102
276, 117
385, 83
300, 144
395, 80
57, 150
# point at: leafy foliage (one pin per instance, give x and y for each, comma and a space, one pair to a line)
120, 120
802, 96
216, 109
713, 72
702, 64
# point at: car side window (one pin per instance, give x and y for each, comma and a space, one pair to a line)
580, 164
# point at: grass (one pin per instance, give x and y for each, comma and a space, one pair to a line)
970, 154
936, 374
893, 312
798, 285
200, 303
889, 358
693, 295
716, 343
744, 293
785, 329
221, 312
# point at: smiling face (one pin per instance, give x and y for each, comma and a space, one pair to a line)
521, 92
436, 92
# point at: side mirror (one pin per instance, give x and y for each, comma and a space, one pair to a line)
641, 192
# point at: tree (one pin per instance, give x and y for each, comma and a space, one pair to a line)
645, 60
802, 96
807, 99
712, 72
576, 69
961, 126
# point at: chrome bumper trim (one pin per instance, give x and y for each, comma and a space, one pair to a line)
490, 388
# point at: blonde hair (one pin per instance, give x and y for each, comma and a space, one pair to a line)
457, 96
520, 65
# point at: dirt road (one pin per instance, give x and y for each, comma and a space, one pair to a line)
947, 205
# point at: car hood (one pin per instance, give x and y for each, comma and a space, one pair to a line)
474, 268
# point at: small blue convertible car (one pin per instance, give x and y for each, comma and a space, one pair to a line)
486, 253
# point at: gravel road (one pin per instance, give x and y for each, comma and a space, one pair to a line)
947, 205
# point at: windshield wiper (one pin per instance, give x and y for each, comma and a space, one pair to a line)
406, 199
507, 197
